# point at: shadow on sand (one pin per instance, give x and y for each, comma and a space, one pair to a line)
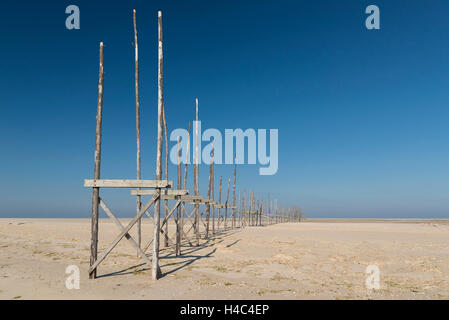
189, 255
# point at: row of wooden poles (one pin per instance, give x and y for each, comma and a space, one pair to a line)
251, 210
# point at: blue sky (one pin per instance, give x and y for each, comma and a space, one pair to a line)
362, 114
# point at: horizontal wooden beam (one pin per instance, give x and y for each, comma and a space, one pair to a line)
191, 198
119, 183
173, 192
182, 198
167, 197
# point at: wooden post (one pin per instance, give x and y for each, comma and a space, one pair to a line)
219, 209
270, 206
277, 212
178, 212
233, 191
96, 191
157, 205
213, 192
246, 194
164, 120
240, 210
258, 212
209, 190
136, 76
256, 208
249, 208
276, 209
187, 158
226, 208
197, 220
243, 208
253, 206
185, 179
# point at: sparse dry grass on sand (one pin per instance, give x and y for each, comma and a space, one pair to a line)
309, 260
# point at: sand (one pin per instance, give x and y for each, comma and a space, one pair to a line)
315, 259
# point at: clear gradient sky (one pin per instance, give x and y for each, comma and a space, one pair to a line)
362, 115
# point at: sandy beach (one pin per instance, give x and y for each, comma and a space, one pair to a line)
314, 259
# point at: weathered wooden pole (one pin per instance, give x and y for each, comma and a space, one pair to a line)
245, 196
136, 76
267, 218
259, 213
209, 190
276, 210
256, 207
187, 159
164, 120
255, 210
249, 208
252, 215
233, 192
157, 205
96, 191
240, 212
244, 208
197, 218
226, 208
219, 209
252, 208
213, 192
178, 212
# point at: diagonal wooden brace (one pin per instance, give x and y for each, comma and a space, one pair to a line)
123, 233
170, 213
163, 223
127, 236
